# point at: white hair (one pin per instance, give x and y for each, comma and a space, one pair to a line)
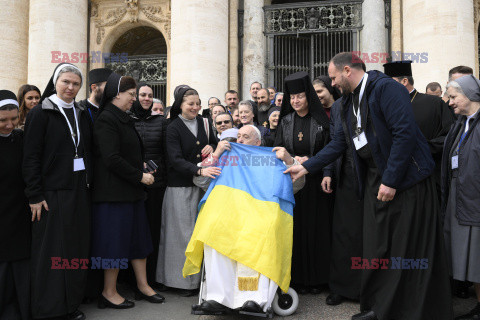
155, 100
246, 103
454, 84
257, 132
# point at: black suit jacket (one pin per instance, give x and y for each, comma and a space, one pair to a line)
118, 158
185, 151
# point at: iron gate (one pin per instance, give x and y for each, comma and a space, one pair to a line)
151, 69
305, 36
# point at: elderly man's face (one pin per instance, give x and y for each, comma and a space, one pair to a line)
247, 135
8, 120
157, 108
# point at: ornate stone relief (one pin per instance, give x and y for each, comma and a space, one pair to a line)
110, 16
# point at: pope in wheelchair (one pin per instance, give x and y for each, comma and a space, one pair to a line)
245, 258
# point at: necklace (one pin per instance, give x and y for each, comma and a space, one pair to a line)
303, 122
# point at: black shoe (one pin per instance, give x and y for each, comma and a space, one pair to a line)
187, 293
251, 307
316, 290
104, 303
160, 287
462, 292
367, 315
472, 315
212, 306
334, 299
76, 315
301, 289
156, 298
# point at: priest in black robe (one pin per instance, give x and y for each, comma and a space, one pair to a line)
97, 78
15, 236
393, 170
431, 113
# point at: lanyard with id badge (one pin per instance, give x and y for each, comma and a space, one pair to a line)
455, 157
360, 139
78, 164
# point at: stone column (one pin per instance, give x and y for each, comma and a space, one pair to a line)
58, 33
442, 35
253, 46
14, 44
199, 47
373, 37
397, 26
233, 46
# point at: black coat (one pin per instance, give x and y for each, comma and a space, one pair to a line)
185, 151
49, 150
118, 158
15, 224
153, 133
90, 109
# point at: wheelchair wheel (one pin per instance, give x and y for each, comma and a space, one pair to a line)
285, 304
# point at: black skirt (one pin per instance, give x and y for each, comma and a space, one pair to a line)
408, 227
311, 234
63, 231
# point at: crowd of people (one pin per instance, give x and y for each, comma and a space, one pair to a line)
386, 172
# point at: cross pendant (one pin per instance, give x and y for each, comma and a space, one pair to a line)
300, 136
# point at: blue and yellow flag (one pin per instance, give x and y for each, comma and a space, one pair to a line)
247, 215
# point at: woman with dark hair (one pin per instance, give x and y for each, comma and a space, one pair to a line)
326, 92
152, 130
28, 97
304, 131
189, 139
57, 171
120, 225
273, 116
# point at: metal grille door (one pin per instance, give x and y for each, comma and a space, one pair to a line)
305, 36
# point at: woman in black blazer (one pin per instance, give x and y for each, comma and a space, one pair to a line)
120, 227
189, 139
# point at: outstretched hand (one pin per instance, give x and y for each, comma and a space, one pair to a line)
296, 172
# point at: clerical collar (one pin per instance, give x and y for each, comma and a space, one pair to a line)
59, 102
93, 104
5, 135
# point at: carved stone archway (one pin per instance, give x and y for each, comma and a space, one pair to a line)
110, 19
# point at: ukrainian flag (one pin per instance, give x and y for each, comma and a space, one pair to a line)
247, 215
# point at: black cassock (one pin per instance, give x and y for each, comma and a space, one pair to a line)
407, 227
434, 119
313, 208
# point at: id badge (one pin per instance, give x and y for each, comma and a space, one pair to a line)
78, 164
455, 162
360, 140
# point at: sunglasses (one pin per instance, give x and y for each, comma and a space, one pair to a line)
219, 123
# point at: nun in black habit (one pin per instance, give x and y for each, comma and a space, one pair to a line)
304, 131
57, 172
15, 230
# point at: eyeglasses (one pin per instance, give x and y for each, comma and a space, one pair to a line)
132, 94
219, 123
